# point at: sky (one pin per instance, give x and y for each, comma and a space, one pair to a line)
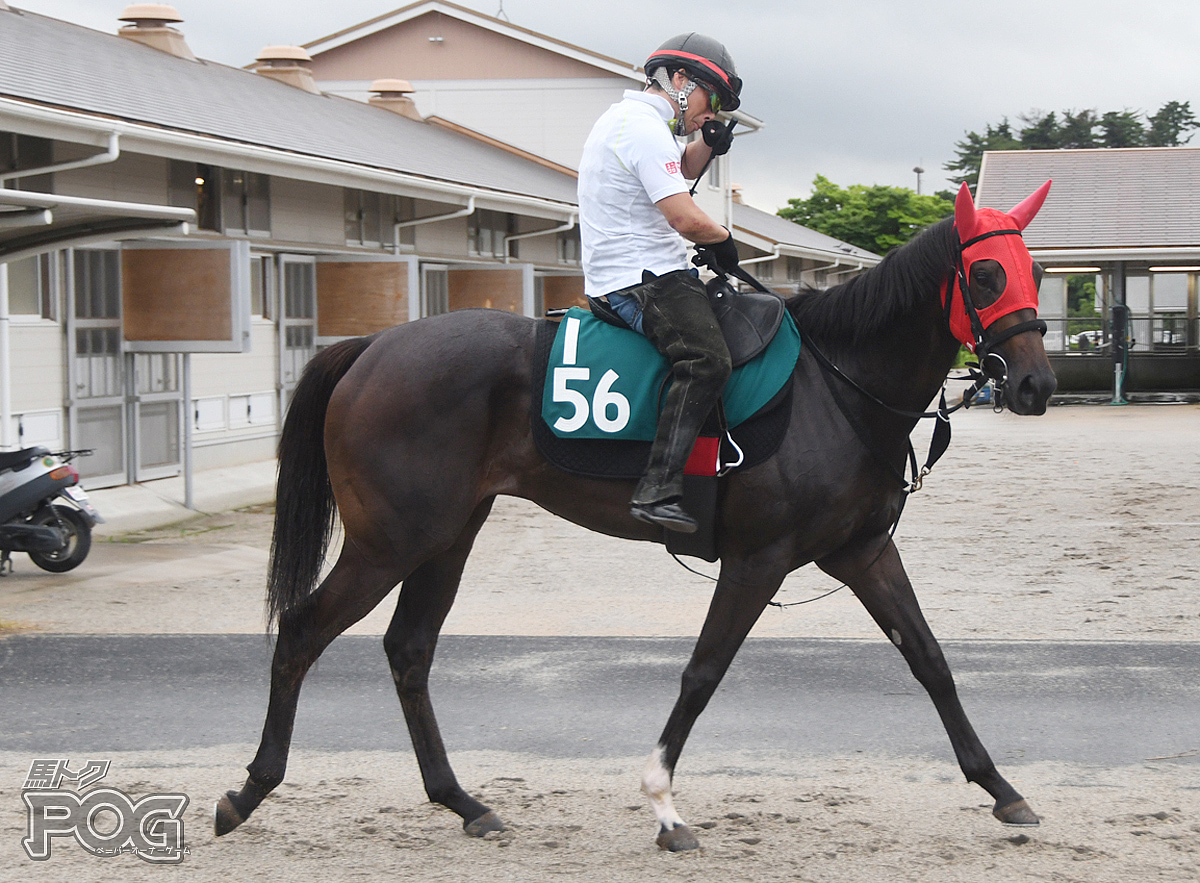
860, 91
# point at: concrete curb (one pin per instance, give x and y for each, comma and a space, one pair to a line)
158, 503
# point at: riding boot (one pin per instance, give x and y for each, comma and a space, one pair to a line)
678, 320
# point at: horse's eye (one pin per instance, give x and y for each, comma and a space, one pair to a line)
988, 282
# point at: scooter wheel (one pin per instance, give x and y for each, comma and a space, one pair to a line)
78, 539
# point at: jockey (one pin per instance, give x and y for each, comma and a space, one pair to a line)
636, 219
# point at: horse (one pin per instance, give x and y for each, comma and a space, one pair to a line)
412, 433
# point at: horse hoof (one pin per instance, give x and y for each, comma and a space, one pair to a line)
225, 815
485, 824
680, 839
1017, 814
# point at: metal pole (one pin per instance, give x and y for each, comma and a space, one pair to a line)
188, 496
5, 365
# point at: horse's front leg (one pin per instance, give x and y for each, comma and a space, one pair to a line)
874, 572
742, 593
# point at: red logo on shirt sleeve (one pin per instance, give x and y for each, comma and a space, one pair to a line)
672, 168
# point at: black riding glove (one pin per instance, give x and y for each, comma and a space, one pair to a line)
720, 257
718, 137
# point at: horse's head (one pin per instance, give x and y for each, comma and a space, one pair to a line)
995, 312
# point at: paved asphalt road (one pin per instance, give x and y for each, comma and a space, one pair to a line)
1110, 703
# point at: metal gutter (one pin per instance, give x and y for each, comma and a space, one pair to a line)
111, 154
432, 219
569, 225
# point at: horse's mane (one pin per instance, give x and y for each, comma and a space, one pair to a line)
872, 301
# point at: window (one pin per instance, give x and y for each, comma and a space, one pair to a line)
196, 186
31, 287
714, 173
795, 270
224, 200
18, 152
261, 267
246, 202
370, 218
97, 284
569, 247
486, 231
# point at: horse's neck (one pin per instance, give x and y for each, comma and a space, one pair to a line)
906, 363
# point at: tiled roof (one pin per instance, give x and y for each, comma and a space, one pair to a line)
776, 229
58, 64
1127, 198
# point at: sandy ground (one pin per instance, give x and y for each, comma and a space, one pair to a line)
1080, 525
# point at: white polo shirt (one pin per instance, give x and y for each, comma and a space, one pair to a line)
630, 161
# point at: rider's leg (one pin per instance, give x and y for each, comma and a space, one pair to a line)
678, 319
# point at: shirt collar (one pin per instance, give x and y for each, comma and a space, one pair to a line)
658, 102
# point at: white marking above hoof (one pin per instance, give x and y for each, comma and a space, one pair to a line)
656, 785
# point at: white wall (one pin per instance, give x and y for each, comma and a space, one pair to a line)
306, 212
550, 118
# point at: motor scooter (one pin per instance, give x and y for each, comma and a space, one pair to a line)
57, 537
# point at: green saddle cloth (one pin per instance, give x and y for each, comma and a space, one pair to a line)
605, 382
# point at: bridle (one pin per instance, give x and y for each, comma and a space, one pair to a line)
985, 341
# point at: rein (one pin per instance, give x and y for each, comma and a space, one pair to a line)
941, 433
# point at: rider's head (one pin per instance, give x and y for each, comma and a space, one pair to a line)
690, 62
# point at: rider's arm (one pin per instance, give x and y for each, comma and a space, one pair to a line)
690, 221
694, 158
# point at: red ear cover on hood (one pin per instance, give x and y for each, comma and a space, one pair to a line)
1023, 212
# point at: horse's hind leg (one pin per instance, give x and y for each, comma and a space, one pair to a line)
350, 591
425, 600
879, 581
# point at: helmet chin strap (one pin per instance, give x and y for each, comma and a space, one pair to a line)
680, 96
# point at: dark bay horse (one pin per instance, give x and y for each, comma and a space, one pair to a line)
410, 435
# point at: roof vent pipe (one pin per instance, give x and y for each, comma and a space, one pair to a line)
287, 64
394, 95
150, 25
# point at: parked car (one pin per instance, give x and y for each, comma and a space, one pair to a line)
1086, 340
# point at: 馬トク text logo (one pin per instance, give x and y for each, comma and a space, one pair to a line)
104, 821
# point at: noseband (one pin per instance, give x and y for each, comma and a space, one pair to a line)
985, 341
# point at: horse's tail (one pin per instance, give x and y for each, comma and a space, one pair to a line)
304, 504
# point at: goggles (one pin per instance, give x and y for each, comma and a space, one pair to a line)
714, 100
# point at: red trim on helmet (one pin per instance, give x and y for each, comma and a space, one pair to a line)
675, 53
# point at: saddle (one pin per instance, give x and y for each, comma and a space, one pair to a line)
749, 431
748, 320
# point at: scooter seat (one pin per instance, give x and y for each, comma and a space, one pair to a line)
20, 459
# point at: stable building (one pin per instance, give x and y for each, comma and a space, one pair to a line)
1120, 229
167, 221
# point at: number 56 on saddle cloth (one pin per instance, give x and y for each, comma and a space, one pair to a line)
604, 382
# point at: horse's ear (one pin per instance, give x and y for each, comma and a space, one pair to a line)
964, 213
1028, 207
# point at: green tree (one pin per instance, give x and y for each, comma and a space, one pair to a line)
1122, 129
1170, 124
1041, 131
875, 218
1078, 130
970, 151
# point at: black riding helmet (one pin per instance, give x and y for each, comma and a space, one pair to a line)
705, 60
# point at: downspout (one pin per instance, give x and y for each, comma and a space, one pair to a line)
773, 255
849, 269
109, 155
432, 219
564, 228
